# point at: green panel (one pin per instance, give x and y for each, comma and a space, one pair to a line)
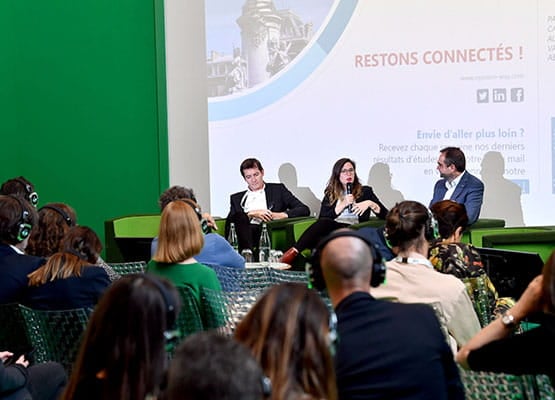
477, 234
539, 241
142, 226
84, 117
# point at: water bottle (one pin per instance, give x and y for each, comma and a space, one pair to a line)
264, 246
232, 239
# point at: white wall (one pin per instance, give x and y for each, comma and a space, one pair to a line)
186, 91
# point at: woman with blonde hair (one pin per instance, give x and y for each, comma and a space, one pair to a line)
180, 238
291, 333
70, 278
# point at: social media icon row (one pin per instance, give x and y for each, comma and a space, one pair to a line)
500, 95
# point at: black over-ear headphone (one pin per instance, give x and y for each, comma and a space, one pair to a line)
32, 196
314, 269
23, 228
203, 223
62, 213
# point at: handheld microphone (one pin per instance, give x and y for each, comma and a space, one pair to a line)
350, 191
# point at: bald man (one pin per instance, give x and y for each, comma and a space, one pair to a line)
386, 350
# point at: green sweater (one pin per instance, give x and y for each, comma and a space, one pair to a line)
195, 275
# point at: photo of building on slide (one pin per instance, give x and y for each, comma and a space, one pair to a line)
249, 41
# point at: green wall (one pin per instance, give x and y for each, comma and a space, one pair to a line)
83, 103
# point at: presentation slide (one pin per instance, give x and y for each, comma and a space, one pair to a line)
300, 84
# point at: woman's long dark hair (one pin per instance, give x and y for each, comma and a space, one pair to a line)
285, 332
122, 355
334, 188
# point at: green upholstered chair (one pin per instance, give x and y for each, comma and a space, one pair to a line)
533, 241
373, 222
477, 234
128, 238
278, 231
220, 223
482, 223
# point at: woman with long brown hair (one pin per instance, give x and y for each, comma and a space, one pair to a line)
346, 202
290, 331
55, 220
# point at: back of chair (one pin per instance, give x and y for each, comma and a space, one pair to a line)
279, 276
189, 319
223, 310
238, 279
56, 335
13, 335
132, 267
490, 385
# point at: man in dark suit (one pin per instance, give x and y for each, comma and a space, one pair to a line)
457, 184
261, 202
385, 350
17, 218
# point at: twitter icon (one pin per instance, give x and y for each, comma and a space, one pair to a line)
482, 96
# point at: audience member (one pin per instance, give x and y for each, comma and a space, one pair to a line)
411, 277
20, 381
180, 239
261, 202
385, 350
457, 184
22, 188
346, 202
70, 278
290, 331
122, 355
216, 249
450, 256
494, 348
17, 219
55, 220
208, 365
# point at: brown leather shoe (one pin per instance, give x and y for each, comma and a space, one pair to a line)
289, 256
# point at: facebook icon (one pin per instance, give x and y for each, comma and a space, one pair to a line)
517, 95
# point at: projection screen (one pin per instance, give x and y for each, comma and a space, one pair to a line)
299, 84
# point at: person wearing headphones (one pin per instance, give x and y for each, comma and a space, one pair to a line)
385, 350
17, 219
123, 351
411, 277
20, 187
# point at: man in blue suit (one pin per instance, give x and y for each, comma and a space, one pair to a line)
457, 184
